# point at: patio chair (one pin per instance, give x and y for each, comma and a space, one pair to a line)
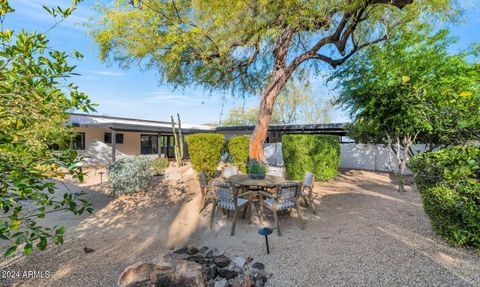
228, 171
276, 171
204, 189
227, 197
307, 189
286, 197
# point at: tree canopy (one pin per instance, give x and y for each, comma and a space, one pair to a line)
250, 46
35, 95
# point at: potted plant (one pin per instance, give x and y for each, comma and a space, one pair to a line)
256, 170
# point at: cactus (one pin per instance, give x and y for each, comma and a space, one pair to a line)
178, 140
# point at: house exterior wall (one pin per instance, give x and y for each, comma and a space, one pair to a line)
131, 140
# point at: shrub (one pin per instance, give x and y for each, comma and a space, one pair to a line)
449, 184
205, 151
319, 154
128, 175
159, 165
254, 167
238, 149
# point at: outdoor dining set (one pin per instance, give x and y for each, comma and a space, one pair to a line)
238, 193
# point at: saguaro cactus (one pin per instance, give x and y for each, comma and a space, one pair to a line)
178, 140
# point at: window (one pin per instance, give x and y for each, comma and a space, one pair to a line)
148, 144
79, 141
118, 138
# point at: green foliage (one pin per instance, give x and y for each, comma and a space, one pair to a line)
318, 154
238, 149
412, 86
205, 151
129, 175
449, 183
159, 165
255, 167
229, 45
35, 95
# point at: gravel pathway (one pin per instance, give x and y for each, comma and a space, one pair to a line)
365, 234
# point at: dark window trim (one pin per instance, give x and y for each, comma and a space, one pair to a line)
107, 138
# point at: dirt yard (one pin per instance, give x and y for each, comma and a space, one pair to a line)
365, 233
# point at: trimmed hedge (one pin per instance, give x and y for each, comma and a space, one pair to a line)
128, 175
449, 184
205, 151
238, 149
319, 154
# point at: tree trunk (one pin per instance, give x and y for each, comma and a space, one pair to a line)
260, 132
281, 73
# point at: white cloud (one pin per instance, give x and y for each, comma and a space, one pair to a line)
107, 73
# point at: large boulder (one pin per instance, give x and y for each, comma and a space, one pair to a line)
171, 274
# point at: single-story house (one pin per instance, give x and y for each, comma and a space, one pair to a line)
98, 136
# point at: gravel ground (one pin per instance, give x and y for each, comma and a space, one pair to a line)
365, 234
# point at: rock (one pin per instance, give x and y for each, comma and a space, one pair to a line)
221, 283
212, 252
239, 261
173, 274
260, 282
221, 260
192, 251
203, 249
211, 283
227, 273
211, 271
249, 259
196, 258
258, 265
181, 250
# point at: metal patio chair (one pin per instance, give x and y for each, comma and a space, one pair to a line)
307, 190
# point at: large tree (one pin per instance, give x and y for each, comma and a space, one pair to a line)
412, 90
248, 46
35, 96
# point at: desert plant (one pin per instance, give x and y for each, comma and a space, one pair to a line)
255, 167
205, 150
159, 165
449, 184
128, 175
178, 140
319, 154
238, 149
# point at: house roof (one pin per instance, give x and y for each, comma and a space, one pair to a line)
140, 125
129, 124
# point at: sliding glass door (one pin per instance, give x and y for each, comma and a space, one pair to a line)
148, 144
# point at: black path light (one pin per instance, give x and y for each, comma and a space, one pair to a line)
265, 231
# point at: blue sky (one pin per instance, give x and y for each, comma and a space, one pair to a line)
135, 93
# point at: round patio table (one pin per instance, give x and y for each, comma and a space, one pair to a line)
244, 181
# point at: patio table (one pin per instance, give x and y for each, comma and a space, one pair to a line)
246, 182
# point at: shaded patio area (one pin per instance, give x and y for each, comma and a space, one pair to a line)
364, 233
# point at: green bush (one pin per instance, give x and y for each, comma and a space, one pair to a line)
128, 175
238, 149
255, 167
449, 184
205, 151
319, 154
159, 165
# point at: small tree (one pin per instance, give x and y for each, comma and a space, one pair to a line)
35, 95
411, 90
250, 47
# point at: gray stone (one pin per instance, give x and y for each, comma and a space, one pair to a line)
196, 258
221, 260
211, 271
212, 252
221, 283
258, 265
192, 251
203, 249
181, 250
239, 261
227, 273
